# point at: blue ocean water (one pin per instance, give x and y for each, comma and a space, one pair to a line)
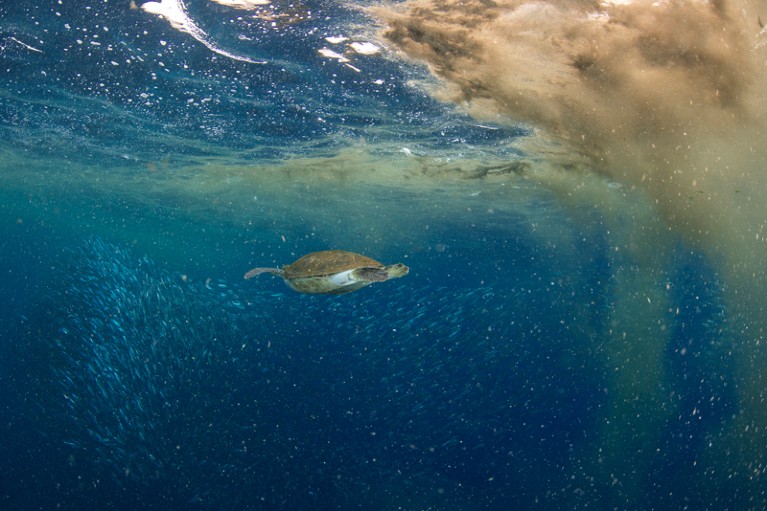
576, 330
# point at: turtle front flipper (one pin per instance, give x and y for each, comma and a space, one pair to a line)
258, 271
370, 274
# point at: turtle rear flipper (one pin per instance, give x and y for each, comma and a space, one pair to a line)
258, 271
371, 274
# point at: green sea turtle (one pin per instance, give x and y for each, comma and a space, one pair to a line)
333, 272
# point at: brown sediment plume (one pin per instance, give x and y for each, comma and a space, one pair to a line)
665, 97
644, 91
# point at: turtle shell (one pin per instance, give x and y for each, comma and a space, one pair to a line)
328, 262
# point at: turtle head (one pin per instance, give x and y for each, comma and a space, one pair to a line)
396, 270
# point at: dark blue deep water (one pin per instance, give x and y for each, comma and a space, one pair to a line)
567, 338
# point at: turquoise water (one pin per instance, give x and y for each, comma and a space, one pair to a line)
583, 325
